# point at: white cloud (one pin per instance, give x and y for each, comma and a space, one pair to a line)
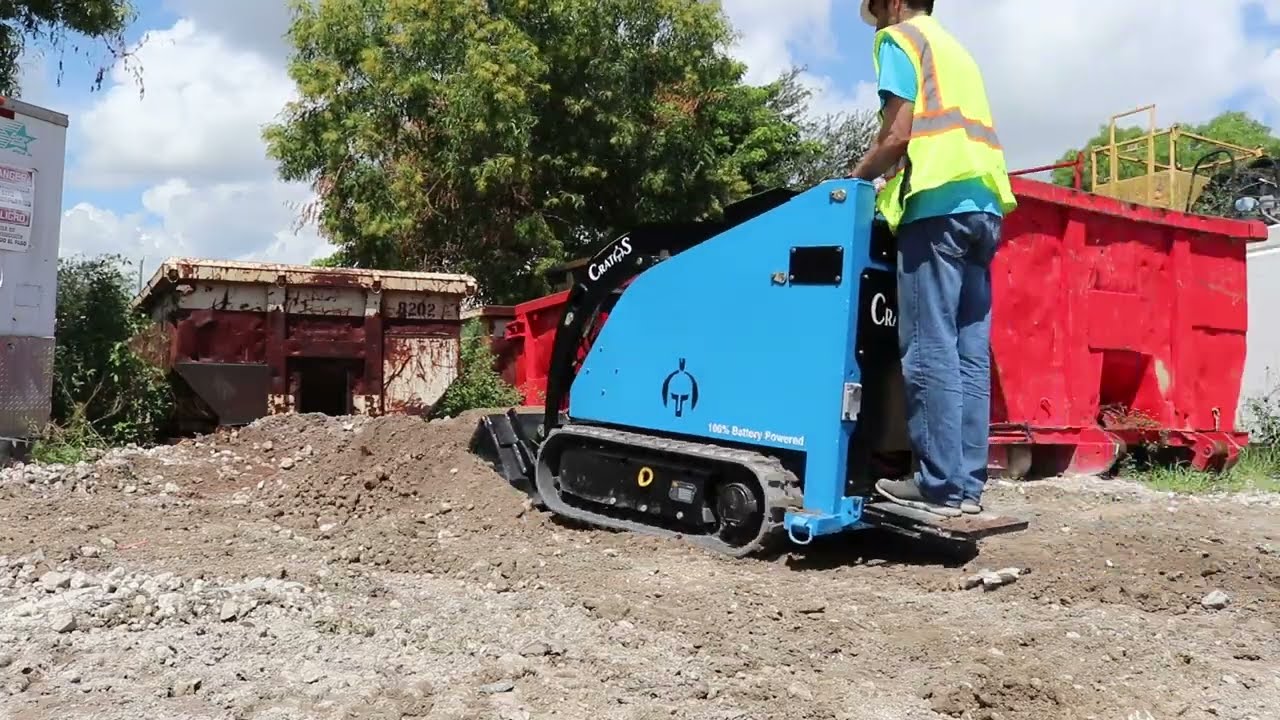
201, 116
1265, 102
831, 98
91, 230
768, 31
250, 220
193, 141
1055, 71
255, 25
33, 78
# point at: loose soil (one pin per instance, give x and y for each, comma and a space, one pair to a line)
313, 567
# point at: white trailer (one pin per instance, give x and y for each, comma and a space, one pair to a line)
33, 143
1262, 362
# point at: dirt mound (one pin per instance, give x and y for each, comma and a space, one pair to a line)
396, 492
325, 471
376, 567
1010, 692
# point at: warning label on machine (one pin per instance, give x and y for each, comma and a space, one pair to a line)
17, 205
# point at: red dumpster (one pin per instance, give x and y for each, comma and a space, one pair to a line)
531, 333
1115, 325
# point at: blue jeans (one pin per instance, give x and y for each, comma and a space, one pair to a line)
944, 334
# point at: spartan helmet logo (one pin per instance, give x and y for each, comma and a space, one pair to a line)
680, 387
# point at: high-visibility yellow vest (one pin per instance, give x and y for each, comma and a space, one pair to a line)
952, 133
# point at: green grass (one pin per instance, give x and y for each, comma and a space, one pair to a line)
1257, 470
70, 443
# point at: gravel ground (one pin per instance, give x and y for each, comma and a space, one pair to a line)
310, 567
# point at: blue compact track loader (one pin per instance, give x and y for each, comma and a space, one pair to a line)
744, 389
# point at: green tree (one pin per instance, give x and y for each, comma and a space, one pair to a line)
104, 391
1233, 127
500, 138
837, 140
334, 260
825, 145
50, 22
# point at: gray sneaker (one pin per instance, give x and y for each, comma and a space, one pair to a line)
907, 493
970, 507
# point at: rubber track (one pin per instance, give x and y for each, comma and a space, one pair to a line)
781, 488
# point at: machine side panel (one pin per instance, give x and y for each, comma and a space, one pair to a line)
719, 343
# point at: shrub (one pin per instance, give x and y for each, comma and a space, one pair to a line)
1263, 417
478, 384
104, 393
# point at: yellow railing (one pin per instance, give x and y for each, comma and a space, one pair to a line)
1167, 184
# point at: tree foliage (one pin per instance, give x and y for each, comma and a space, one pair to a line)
1233, 127
103, 389
834, 142
50, 23
500, 138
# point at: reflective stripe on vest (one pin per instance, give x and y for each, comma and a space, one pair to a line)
934, 118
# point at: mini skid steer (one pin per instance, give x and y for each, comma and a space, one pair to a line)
742, 387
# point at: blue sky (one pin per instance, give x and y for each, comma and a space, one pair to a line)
1265, 29
73, 94
182, 171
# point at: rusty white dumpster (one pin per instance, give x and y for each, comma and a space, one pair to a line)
242, 340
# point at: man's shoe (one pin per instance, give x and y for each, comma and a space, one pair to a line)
970, 507
907, 493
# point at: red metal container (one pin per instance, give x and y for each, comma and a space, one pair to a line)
244, 340
531, 333
1115, 325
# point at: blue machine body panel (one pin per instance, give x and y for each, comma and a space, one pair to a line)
720, 343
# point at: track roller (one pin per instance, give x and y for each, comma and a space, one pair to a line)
727, 500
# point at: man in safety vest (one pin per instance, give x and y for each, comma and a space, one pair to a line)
945, 194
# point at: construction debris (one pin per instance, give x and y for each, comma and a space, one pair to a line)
990, 580
1216, 600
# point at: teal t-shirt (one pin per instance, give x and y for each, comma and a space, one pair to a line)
898, 77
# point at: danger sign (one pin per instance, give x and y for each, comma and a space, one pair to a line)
17, 201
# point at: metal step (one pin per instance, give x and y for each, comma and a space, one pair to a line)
920, 523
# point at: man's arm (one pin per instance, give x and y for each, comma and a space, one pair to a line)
891, 144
